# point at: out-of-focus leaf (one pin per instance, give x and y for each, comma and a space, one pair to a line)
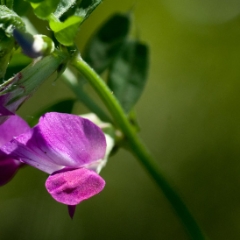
128, 74
71, 12
35, 1
66, 31
81, 8
6, 49
10, 20
45, 8
85, 8
21, 7
63, 7
64, 106
7, 3
106, 43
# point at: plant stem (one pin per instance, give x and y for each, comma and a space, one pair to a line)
137, 147
71, 80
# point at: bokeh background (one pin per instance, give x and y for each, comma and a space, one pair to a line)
190, 120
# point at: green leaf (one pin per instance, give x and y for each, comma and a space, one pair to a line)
71, 12
21, 7
66, 31
106, 43
7, 3
45, 8
34, 1
128, 74
86, 7
10, 20
63, 7
6, 49
63, 106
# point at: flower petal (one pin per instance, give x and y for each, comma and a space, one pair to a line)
8, 168
4, 113
72, 187
11, 128
59, 140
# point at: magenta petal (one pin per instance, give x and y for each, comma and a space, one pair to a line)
11, 128
59, 140
69, 140
72, 187
4, 113
8, 168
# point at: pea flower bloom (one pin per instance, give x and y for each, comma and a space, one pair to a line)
63, 145
12, 127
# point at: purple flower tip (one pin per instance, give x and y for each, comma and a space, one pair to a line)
72, 187
71, 210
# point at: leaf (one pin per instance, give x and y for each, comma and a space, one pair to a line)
10, 20
6, 49
128, 74
63, 106
45, 8
66, 31
7, 3
106, 43
71, 12
86, 7
21, 7
63, 7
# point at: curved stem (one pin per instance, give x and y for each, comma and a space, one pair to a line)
138, 149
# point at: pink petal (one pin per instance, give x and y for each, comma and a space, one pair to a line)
4, 113
59, 140
74, 186
8, 168
11, 128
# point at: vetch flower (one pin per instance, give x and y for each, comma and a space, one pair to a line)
63, 145
8, 130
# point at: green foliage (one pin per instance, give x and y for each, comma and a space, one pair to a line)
66, 31
7, 3
21, 7
8, 21
107, 42
128, 74
126, 60
64, 16
45, 8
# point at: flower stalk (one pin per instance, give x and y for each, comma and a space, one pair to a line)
137, 147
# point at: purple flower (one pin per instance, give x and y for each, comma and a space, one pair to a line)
8, 130
64, 146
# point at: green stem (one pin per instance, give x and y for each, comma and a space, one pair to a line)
71, 80
138, 149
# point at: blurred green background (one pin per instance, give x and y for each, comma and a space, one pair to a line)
190, 120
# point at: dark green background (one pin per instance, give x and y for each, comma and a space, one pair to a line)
190, 120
